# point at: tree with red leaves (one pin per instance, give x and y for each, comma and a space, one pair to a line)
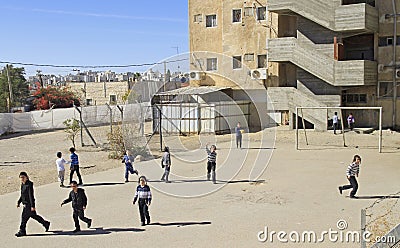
54, 97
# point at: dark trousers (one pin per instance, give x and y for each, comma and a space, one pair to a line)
238, 141
166, 173
353, 184
334, 127
79, 214
211, 169
129, 169
144, 211
26, 215
75, 169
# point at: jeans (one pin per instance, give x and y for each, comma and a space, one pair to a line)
353, 184
144, 211
166, 173
61, 177
211, 169
75, 169
238, 141
27, 213
79, 214
334, 127
129, 169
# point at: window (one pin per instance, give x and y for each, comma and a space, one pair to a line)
113, 99
211, 21
262, 61
212, 64
261, 13
198, 18
388, 41
354, 98
89, 102
237, 62
248, 11
236, 15
385, 89
249, 57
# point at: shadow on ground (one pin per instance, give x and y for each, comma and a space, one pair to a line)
94, 231
179, 224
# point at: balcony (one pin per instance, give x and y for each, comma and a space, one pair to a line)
330, 14
309, 58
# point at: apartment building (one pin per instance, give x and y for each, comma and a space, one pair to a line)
316, 52
228, 48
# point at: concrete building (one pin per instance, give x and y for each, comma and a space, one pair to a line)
227, 43
100, 93
317, 52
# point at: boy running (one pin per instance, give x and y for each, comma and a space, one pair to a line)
352, 171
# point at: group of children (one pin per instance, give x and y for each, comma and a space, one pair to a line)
74, 167
142, 194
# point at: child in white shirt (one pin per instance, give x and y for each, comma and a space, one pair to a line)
60, 162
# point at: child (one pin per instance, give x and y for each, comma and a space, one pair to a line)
352, 171
211, 162
79, 202
166, 164
74, 166
27, 199
128, 160
335, 122
60, 162
350, 121
238, 132
143, 195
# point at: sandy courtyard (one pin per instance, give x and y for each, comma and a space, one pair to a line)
296, 192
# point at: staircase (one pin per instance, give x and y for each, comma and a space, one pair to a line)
331, 14
288, 98
316, 59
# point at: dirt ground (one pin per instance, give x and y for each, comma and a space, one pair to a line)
36, 153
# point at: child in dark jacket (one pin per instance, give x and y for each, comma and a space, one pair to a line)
79, 202
143, 195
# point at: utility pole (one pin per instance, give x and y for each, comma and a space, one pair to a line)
10, 91
394, 64
165, 74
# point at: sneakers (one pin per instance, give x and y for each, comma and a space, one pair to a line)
148, 222
143, 224
126, 181
46, 225
340, 190
353, 197
20, 234
76, 230
89, 224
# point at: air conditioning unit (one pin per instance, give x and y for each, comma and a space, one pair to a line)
261, 73
397, 73
381, 68
197, 75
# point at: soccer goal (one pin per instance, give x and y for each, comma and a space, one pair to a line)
323, 114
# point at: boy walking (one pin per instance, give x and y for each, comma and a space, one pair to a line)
238, 132
352, 171
166, 164
27, 198
74, 166
335, 120
211, 162
79, 202
60, 162
143, 195
128, 160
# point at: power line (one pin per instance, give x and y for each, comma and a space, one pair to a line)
92, 66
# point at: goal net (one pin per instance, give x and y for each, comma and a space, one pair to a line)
356, 127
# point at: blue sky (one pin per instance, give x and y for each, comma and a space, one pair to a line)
92, 32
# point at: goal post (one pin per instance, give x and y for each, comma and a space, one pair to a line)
300, 110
